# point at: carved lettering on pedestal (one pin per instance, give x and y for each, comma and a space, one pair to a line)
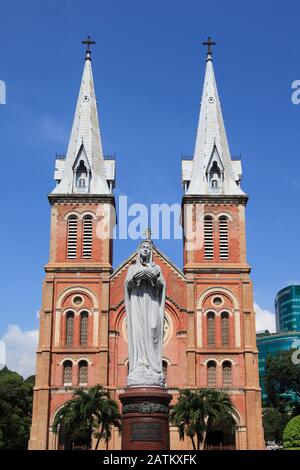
145, 432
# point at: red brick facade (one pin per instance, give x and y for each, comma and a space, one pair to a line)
209, 328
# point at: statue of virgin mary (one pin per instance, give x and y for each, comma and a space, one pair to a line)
145, 304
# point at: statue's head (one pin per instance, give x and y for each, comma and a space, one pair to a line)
145, 249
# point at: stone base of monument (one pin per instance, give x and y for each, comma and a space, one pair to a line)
145, 418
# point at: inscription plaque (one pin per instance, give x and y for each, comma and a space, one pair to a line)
145, 432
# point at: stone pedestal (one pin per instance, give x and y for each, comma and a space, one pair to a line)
145, 418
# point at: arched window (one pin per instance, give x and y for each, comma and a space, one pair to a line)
87, 237
67, 378
227, 373
208, 238
211, 329
69, 328
82, 177
223, 237
225, 328
83, 373
72, 236
165, 370
211, 374
84, 318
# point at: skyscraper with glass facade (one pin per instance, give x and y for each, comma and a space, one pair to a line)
287, 309
287, 336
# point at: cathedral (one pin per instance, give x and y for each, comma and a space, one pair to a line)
209, 326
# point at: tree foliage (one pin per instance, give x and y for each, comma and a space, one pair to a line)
15, 409
291, 434
274, 422
195, 411
282, 379
91, 412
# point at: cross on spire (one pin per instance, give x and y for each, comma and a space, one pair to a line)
148, 234
88, 42
209, 43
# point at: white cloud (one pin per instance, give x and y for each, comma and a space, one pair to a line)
20, 349
265, 320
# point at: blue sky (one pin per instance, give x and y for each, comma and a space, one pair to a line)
148, 66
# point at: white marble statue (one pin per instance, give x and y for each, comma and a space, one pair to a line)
145, 304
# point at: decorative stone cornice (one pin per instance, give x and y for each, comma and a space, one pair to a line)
235, 200
145, 408
201, 268
77, 268
81, 198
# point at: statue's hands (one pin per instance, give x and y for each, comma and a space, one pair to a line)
139, 275
150, 275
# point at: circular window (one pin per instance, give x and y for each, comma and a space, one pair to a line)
166, 329
217, 301
211, 99
77, 300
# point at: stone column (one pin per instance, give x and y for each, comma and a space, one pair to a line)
145, 418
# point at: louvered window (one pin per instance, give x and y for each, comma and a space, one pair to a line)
210, 328
67, 373
69, 328
227, 373
83, 373
72, 236
84, 317
225, 328
87, 237
223, 237
208, 238
211, 374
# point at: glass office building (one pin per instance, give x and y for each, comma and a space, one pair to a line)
270, 344
287, 309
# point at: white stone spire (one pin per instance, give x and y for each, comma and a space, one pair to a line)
212, 170
84, 169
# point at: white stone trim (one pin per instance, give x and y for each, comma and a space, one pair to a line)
68, 214
237, 328
95, 327
224, 214
57, 328
61, 362
228, 360
199, 329
211, 359
83, 359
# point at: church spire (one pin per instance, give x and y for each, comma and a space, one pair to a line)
83, 170
212, 170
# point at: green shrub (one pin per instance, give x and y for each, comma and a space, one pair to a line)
291, 434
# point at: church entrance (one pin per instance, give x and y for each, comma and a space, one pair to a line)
68, 442
221, 436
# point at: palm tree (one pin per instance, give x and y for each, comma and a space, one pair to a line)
90, 412
196, 411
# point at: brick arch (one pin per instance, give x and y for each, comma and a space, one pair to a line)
217, 290
77, 290
224, 214
119, 317
80, 215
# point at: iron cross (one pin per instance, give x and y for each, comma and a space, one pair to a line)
148, 234
88, 43
209, 43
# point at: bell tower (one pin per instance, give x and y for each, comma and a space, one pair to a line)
73, 340
221, 340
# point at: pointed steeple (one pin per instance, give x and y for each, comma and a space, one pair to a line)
83, 170
212, 170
